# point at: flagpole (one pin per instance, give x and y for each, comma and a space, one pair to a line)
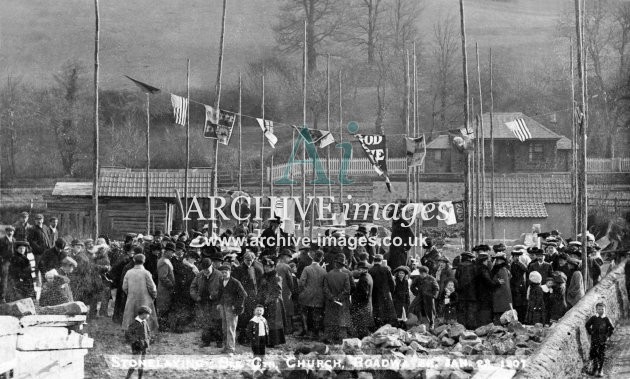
291, 168
217, 92
262, 145
340, 141
574, 181
240, 137
328, 122
467, 167
482, 152
187, 141
408, 85
415, 134
477, 177
305, 64
95, 186
492, 230
148, 178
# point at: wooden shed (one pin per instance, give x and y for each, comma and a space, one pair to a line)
122, 201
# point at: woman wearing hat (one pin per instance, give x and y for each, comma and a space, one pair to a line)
518, 283
575, 290
557, 301
401, 295
270, 295
21, 283
361, 308
444, 272
502, 295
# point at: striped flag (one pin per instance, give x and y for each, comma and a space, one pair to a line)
180, 109
519, 129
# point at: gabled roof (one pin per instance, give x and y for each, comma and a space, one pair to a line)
114, 182
501, 132
564, 143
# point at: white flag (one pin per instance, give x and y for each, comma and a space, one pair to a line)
180, 109
447, 208
519, 129
267, 128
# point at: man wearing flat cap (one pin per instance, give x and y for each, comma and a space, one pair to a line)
231, 303
337, 289
21, 227
204, 290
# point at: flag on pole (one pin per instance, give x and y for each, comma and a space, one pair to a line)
180, 109
416, 151
267, 128
375, 148
322, 138
143, 86
519, 128
220, 129
447, 208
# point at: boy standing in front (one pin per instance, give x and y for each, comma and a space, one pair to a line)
258, 331
600, 329
139, 336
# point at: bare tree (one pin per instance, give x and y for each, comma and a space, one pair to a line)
364, 24
323, 19
13, 105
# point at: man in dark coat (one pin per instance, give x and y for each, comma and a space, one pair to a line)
117, 273
466, 277
269, 240
204, 290
249, 277
486, 286
38, 238
425, 289
398, 255
183, 306
7, 248
21, 227
518, 284
382, 293
304, 259
231, 301
311, 295
52, 258
337, 291
431, 257
152, 254
539, 264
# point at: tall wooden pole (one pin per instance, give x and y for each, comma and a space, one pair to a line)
468, 165
574, 161
582, 132
187, 142
482, 153
328, 122
304, 74
408, 85
240, 134
476, 169
492, 230
95, 189
292, 144
217, 93
148, 177
416, 184
262, 144
341, 141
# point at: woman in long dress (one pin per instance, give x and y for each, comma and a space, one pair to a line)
270, 296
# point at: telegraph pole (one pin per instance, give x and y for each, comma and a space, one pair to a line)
467, 167
96, 131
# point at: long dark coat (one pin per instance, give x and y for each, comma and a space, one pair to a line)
361, 309
398, 255
38, 238
250, 280
486, 286
183, 306
425, 290
518, 283
467, 277
557, 302
382, 300
270, 295
117, 273
284, 271
502, 295
21, 281
536, 311
204, 290
337, 288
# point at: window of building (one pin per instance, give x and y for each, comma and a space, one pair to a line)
437, 155
535, 152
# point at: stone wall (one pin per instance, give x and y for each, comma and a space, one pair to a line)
565, 350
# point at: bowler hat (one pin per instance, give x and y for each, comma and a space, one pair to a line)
169, 247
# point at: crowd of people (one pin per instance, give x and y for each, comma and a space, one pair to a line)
323, 293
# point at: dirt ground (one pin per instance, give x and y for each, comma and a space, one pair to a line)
109, 340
